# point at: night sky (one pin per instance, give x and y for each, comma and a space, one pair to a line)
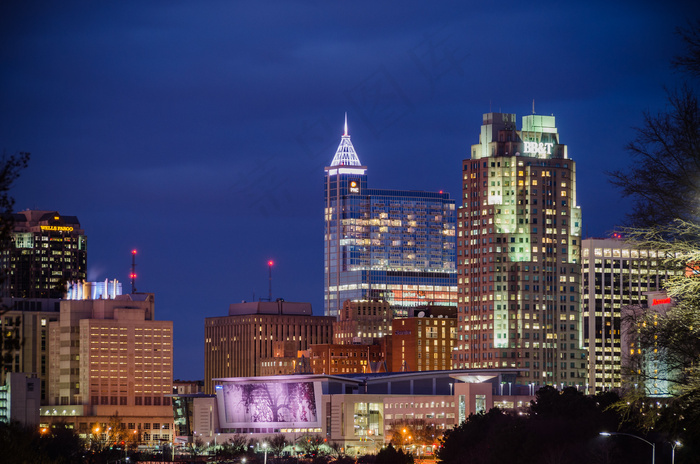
197, 132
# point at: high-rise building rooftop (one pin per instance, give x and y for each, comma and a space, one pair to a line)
392, 245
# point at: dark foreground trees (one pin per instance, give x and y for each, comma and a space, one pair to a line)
561, 427
391, 455
55, 445
10, 168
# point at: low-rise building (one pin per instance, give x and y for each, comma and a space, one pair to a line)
423, 343
356, 412
335, 359
363, 322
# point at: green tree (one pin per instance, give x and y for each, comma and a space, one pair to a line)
239, 443
277, 444
673, 338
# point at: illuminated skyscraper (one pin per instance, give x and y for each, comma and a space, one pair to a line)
391, 245
519, 254
47, 251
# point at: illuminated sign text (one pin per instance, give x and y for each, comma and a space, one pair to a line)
538, 148
655, 302
58, 228
354, 187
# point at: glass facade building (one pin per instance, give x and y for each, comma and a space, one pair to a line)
391, 245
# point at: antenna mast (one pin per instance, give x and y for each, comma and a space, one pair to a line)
133, 271
269, 266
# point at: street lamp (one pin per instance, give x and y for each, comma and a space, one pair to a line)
653, 445
264, 445
673, 451
95, 431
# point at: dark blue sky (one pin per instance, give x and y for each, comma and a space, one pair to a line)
197, 132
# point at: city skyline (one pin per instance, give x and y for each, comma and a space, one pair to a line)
205, 151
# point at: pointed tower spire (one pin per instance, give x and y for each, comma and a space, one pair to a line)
346, 155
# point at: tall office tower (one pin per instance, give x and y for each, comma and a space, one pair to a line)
391, 245
47, 251
107, 357
235, 345
616, 275
518, 251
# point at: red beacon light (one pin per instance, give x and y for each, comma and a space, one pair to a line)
133, 252
270, 263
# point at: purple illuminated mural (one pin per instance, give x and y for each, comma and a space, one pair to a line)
269, 404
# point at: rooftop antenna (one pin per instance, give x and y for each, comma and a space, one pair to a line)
533, 106
133, 271
346, 124
269, 267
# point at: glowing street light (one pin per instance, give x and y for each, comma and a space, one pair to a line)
653, 445
673, 451
264, 445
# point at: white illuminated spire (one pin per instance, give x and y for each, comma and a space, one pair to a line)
346, 155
